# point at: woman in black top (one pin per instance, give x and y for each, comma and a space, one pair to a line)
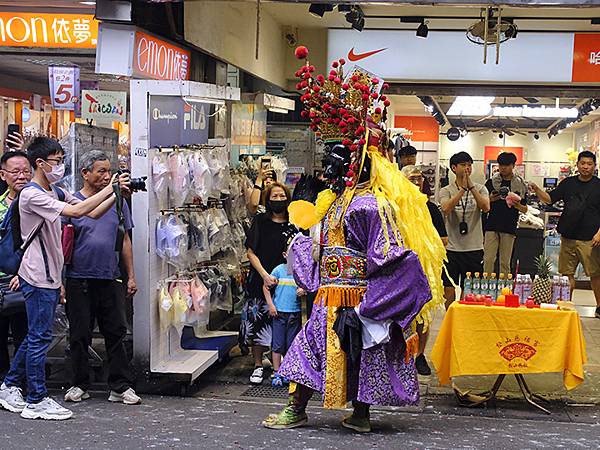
415, 176
266, 241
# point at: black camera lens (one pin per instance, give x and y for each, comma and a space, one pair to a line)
138, 184
503, 192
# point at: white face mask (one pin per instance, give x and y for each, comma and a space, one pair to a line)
55, 174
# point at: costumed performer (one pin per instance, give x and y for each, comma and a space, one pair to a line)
375, 260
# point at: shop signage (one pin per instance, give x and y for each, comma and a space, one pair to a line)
104, 105
173, 121
562, 57
64, 87
126, 50
482, 106
48, 30
159, 60
418, 128
248, 129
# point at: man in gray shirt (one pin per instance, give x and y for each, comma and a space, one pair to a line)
462, 204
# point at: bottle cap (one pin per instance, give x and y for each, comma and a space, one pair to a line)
477, 274
485, 274
468, 274
493, 274
501, 276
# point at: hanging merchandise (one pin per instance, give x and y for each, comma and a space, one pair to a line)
201, 176
171, 240
165, 306
180, 177
161, 178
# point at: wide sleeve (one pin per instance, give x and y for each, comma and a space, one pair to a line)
397, 287
305, 268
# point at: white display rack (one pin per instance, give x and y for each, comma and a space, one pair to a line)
157, 351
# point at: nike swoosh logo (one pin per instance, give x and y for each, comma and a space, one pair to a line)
358, 56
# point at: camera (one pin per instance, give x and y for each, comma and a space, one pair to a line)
135, 184
503, 192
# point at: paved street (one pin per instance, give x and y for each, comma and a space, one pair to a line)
219, 417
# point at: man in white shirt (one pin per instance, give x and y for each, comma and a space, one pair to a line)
462, 204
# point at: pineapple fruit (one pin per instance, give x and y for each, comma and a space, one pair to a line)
542, 285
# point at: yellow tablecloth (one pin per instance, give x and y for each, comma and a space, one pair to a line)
491, 340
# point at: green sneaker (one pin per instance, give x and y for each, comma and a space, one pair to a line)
358, 424
286, 419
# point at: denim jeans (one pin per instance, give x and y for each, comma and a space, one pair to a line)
30, 361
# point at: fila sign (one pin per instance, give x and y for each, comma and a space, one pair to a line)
450, 57
125, 50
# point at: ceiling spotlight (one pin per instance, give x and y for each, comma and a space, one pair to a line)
319, 9
356, 18
501, 135
536, 136
423, 30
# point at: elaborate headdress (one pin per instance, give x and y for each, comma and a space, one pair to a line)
344, 109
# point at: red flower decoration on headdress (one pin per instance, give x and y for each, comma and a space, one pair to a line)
301, 52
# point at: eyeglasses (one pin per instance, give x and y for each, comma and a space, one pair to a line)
16, 172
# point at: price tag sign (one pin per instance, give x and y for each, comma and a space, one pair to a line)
64, 87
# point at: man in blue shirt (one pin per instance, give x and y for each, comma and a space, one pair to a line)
93, 288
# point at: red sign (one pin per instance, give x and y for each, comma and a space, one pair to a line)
419, 128
586, 58
158, 59
491, 153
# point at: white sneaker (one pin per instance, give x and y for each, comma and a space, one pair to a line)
47, 409
257, 376
11, 398
76, 394
129, 397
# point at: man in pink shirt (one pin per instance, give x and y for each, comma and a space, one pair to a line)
40, 274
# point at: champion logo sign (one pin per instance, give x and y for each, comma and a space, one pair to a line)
358, 56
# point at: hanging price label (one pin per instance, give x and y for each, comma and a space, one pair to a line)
64, 87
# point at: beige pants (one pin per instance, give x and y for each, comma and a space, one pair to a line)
494, 241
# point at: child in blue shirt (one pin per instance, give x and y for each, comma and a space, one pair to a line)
284, 308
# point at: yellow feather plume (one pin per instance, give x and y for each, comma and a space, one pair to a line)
404, 208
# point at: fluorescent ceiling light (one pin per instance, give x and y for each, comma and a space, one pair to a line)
213, 101
88, 3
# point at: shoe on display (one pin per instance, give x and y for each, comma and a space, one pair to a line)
76, 394
257, 375
47, 409
422, 366
11, 398
598, 312
129, 397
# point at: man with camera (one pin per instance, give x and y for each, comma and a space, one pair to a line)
16, 172
462, 204
93, 286
40, 205
501, 223
579, 224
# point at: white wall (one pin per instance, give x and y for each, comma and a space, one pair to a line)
550, 152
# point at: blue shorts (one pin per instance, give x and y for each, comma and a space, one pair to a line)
285, 328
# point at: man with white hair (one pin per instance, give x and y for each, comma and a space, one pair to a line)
93, 287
